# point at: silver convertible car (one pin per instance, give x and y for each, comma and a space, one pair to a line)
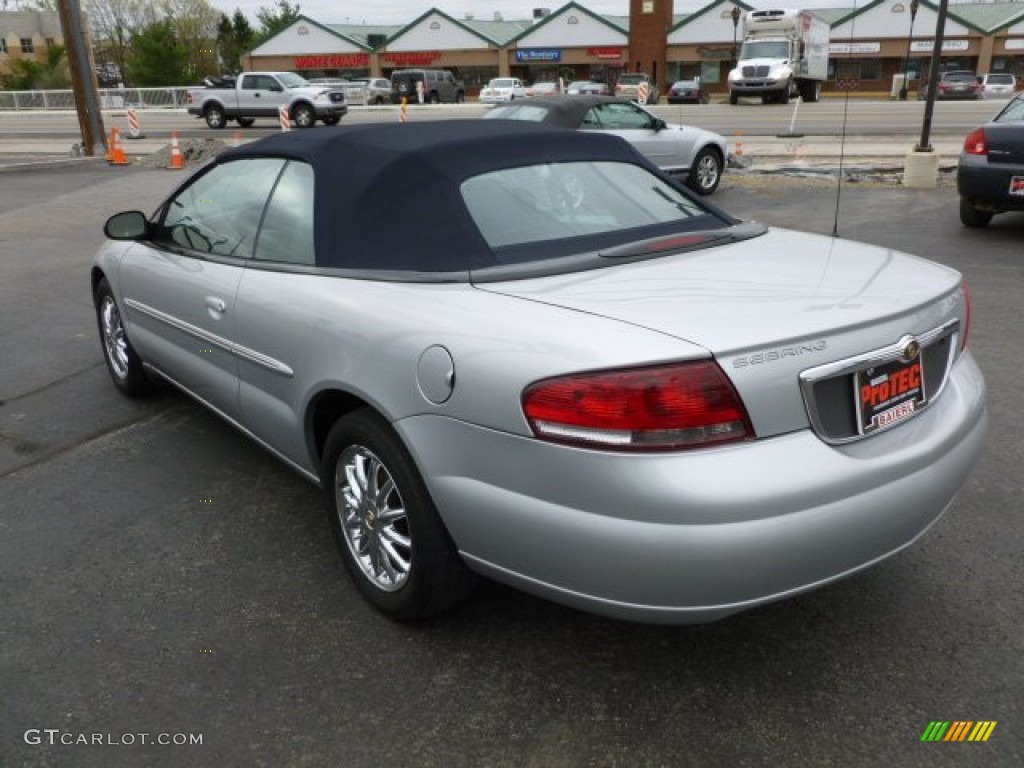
694, 155
510, 350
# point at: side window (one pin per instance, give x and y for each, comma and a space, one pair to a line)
287, 231
251, 83
591, 120
618, 117
219, 213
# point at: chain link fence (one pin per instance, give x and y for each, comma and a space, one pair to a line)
110, 98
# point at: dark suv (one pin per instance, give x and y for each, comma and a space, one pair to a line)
956, 84
431, 86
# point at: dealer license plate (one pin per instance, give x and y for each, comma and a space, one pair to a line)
889, 393
1017, 186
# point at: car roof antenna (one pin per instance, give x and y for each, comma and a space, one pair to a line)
842, 138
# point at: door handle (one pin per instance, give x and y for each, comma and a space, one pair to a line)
215, 304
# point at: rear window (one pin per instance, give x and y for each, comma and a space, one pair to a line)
534, 212
632, 79
960, 77
999, 79
529, 112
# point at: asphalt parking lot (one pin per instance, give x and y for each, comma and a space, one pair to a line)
161, 575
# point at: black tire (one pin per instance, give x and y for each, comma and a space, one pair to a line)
434, 98
767, 98
734, 98
123, 364
705, 172
379, 101
332, 119
414, 570
784, 95
215, 117
246, 122
460, 98
971, 216
303, 116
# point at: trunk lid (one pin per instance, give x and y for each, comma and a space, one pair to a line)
767, 308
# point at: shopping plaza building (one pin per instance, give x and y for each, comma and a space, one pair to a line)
870, 44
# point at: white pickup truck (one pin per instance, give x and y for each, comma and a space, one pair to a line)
262, 94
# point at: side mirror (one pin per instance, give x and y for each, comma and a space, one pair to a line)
658, 124
129, 225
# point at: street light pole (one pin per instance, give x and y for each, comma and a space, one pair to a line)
910, 41
735, 26
933, 77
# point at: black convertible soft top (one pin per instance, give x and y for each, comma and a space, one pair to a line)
388, 196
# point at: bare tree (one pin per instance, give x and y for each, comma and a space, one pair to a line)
113, 24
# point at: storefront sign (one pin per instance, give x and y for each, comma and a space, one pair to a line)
839, 48
1015, 45
411, 58
713, 54
605, 53
528, 55
334, 61
927, 46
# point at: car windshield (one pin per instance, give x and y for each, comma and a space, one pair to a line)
538, 212
578, 84
765, 49
503, 82
1014, 112
632, 79
685, 84
290, 80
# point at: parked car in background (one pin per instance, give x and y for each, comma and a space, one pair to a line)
687, 92
990, 173
375, 90
501, 89
587, 88
956, 84
695, 155
631, 85
543, 89
427, 86
997, 85
661, 413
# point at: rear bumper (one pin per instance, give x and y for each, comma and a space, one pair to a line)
690, 537
989, 183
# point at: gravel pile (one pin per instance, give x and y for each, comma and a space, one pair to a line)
195, 151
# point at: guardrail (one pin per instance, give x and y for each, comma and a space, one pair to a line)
110, 98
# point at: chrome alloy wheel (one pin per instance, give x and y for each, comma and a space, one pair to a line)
373, 518
114, 341
707, 172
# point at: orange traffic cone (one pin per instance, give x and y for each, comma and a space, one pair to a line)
117, 155
177, 159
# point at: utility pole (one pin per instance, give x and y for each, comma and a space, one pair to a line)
83, 79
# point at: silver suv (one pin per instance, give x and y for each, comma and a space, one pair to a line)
997, 85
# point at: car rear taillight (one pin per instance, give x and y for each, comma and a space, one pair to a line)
975, 143
685, 405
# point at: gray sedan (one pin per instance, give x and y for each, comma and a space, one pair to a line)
696, 155
510, 350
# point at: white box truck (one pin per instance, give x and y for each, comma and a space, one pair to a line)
784, 54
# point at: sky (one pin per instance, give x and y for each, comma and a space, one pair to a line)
404, 11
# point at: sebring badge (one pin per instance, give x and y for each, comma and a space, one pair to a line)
771, 355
